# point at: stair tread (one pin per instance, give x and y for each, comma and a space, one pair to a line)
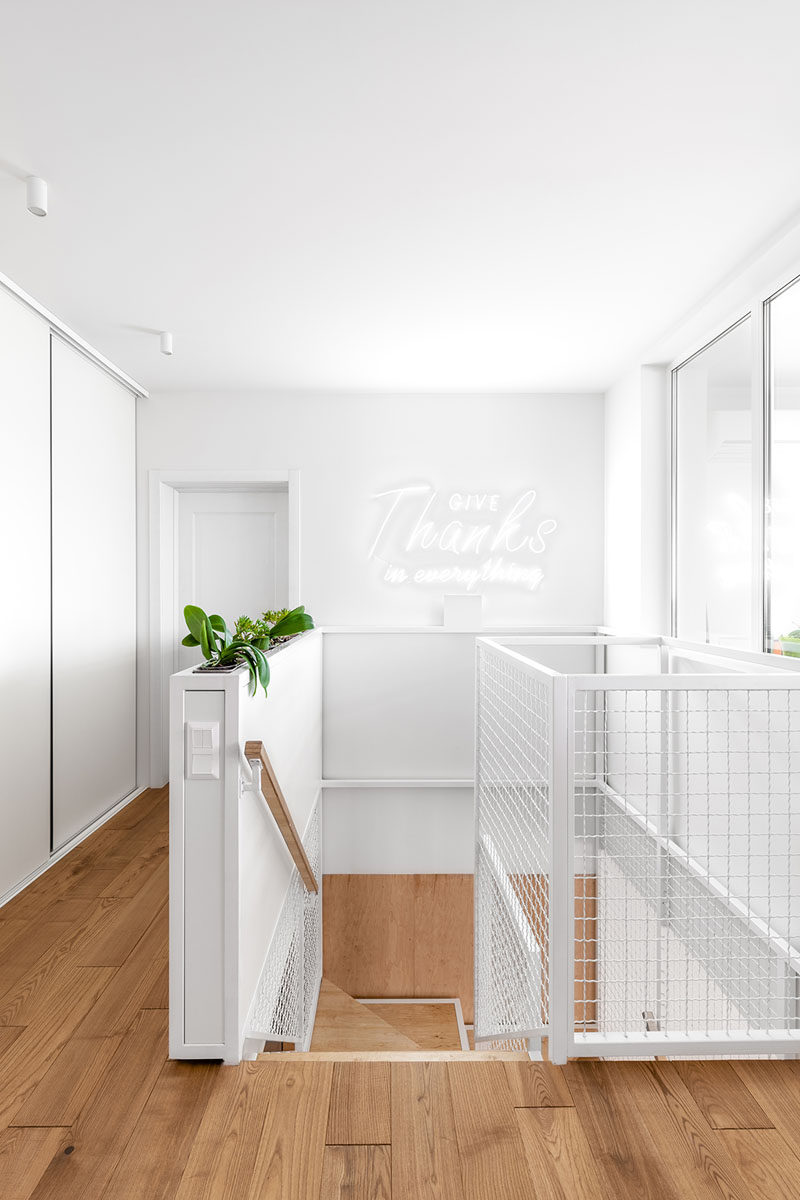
342, 1024
431, 1026
400, 1055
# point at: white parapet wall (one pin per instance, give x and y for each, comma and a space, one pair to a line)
229, 866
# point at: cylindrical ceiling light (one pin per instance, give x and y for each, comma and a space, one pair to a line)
166, 342
37, 196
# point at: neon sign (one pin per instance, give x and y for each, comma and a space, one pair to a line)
471, 538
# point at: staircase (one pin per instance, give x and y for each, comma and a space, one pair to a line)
347, 1030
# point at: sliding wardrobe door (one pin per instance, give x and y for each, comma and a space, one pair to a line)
94, 592
25, 594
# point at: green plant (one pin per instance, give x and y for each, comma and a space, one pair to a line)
256, 632
289, 623
220, 647
273, 624
249, 642
794, 636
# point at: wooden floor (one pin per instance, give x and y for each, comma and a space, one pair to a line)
90, 1107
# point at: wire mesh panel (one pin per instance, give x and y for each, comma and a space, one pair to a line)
512, 868
277, 1013
690, 832
312, 928
285, 1000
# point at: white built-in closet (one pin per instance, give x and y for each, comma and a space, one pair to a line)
67, 603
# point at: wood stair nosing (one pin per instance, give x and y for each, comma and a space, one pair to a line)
397, 1056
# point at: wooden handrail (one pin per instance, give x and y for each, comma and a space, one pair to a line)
276, 803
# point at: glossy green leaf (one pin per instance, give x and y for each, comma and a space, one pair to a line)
296, 621
205, 644
196, 620
219, 626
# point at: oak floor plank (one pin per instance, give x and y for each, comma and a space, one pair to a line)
65, 873
356, 1173
69, 1083
690, 1151
33, 1050
24, 1157
102, 1130
76, 912
154, 799
223, 1155
129, 881
92, 883
767, 1164
425, 1161
110, 946
33, 943
720, 1093
620, 1142
129, 988
288, 1164
154, 1159
776, 1087
31, 995
8, 1034
158, 996
559, 1156
150, 836
493, 1159
9, 932
537, 1085
360, 1106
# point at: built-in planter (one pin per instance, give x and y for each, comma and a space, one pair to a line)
229, 867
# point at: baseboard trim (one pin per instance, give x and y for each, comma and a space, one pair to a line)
71, 844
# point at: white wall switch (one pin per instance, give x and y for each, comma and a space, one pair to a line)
462, 611
202, 749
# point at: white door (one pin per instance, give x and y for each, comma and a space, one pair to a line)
232, 556
25, 594
94, 592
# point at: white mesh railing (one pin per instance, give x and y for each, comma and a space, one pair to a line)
512, 889
285, 1000
694, 834
681, 791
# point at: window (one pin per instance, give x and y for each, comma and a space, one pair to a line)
783, 473
713, 414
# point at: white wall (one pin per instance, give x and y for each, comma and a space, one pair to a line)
637, 464
348, 448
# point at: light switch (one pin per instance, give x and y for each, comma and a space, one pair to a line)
202, 749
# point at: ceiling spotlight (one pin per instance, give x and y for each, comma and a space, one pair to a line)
37, 196
166, 342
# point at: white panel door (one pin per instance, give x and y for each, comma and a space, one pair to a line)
94, 592
25, 594
232, 556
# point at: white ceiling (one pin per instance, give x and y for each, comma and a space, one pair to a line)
391, 194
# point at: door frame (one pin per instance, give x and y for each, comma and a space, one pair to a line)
164, 486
